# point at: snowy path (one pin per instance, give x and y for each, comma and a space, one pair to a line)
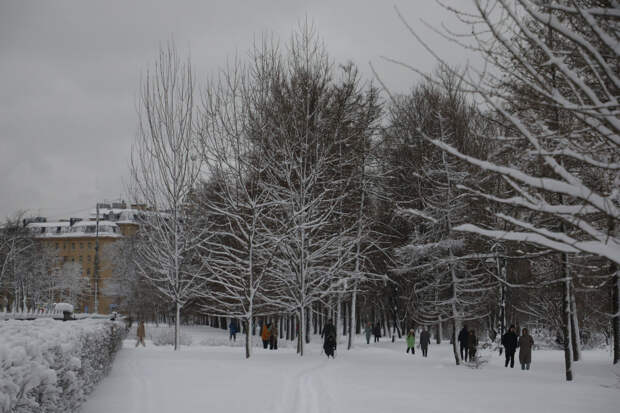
375, 378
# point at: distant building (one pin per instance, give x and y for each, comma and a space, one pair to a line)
74, 240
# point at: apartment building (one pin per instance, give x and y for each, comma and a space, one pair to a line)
86, 242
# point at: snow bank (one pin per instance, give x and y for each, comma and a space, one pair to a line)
50, 366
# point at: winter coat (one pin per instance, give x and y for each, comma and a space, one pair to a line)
265, 333
377, 331
510, 341
463, 335
141, 332
232, 328
329, 332
274, 332
472, 341
425, 338
368, 331
526, 343
410, 340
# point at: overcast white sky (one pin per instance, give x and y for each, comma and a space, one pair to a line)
70, 70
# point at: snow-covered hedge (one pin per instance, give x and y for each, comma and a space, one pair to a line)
50, 366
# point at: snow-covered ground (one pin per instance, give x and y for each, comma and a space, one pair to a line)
370, 378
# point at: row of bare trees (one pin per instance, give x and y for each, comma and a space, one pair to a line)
32, 276
485, 195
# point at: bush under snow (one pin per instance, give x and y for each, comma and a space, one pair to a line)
50, 366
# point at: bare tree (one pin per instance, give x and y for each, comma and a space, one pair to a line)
511, 37
233, 199
165, 168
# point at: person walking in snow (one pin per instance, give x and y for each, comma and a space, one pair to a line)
510, 343
273, 337
329, 339
232, 327
526, 342
368, 332
411, 342
140, 334
472, 345
463, 336
376, 331
264, 335
425, 340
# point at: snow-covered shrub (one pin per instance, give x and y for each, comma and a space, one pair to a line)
164, 336
63, 307
50, 366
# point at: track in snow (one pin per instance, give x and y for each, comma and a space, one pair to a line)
305, 393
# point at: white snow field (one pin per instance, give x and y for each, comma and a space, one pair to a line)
370, 378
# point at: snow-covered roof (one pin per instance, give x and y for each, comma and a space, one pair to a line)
94, 224
48, 224
78, 229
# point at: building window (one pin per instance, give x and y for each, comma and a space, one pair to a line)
57, 245
73, 245
80, 258
88, 271
88, 258
81, 245
72, 259
89, 245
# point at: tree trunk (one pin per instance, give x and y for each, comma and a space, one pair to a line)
352, 315
455, 328
300, 335
568, 357
177, 328
576, 339
615, 321
439, 332
338, 316
249, 327
307, 322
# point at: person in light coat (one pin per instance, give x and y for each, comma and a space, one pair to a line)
526, 342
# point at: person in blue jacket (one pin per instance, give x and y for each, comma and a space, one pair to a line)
232, 328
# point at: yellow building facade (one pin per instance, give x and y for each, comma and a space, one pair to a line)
87, 242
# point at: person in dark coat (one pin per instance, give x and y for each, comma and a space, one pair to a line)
425, 340
510, 343
232, 328
526, 342
273, 337
463, 335
329, 337
368, 332
472, 345
376, 331
141, 333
